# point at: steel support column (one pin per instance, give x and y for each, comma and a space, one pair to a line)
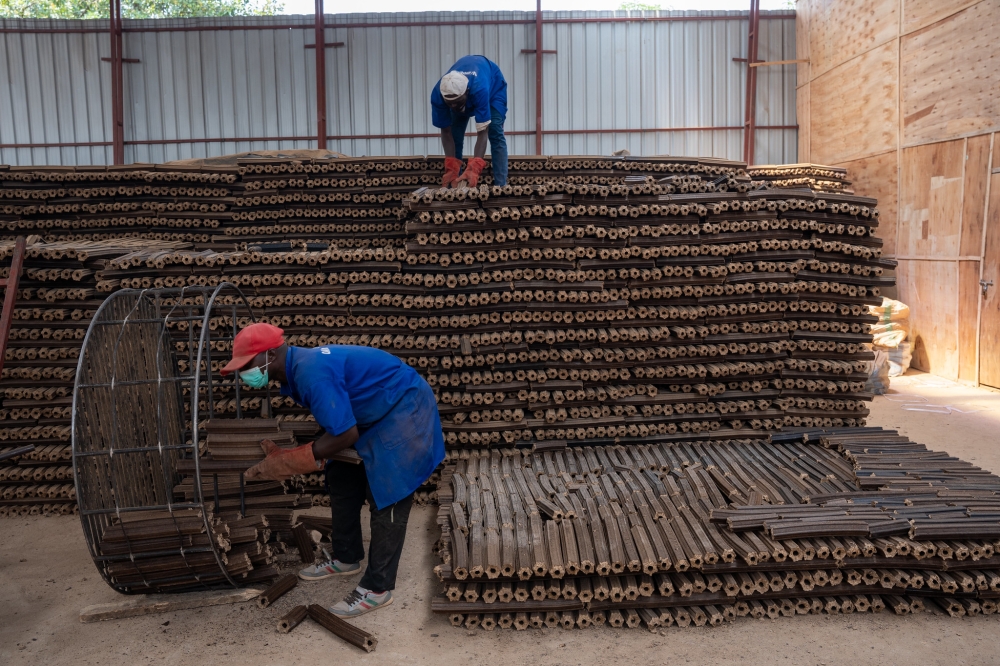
117, 84
750, 114
538, 78
320, 77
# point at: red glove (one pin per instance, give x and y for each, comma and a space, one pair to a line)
281, 464
451, 168
471, 175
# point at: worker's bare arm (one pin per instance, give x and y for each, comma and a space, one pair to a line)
327, 445
448, 141
481, 138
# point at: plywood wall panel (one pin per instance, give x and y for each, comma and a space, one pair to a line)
842, 29
989, 332
921, 13
878, 177
977, 175
803, 11
802, 109
968, 308
930, 200
930, 288
949, 76
853, 108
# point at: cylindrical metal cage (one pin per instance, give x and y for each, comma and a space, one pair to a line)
146, 354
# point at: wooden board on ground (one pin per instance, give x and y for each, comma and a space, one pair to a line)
149, 604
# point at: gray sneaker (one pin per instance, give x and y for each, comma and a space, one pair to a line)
328, 567
361, 601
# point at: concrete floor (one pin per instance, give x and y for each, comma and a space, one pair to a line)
46, 578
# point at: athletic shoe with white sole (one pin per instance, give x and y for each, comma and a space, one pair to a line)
361, 601
328, 567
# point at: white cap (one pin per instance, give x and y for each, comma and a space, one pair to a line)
454, 84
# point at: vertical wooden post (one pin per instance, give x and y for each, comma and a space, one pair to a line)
750, 114
117, 84
538, 78
320, 76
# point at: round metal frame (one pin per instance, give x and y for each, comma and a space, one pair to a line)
144, 353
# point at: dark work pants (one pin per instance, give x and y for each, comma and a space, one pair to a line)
347, 484
498, 142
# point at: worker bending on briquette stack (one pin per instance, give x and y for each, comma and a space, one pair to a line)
361, 397
474, 88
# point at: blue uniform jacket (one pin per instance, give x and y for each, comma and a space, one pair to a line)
487, 88
394, 409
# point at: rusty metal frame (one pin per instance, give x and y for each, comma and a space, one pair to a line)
9, 284
117, 83
320, 46
539, 52
750, 111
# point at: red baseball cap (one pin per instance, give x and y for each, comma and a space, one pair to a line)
252, 340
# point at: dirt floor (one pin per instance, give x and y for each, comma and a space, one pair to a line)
47, 577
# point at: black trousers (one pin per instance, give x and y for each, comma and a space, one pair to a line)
347, 484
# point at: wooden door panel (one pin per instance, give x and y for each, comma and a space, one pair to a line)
989, 332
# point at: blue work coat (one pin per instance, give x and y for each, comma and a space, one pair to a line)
400, 441
487, 88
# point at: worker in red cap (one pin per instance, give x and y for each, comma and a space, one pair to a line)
361, 397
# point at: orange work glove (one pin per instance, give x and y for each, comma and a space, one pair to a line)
471, 175
451, 168
281, 464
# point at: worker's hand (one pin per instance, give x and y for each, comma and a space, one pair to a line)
281, 464
451, 168
472, 171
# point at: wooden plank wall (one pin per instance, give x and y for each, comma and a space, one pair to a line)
905, 94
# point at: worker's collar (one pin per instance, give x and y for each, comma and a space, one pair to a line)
288, 386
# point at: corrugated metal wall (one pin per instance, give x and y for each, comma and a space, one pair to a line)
253, 89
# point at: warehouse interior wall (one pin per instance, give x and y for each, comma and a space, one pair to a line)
906, 95
653, 83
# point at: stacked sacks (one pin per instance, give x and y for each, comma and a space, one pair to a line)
892, 334
695, 533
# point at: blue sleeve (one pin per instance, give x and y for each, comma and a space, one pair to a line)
329, 404
479, 99
440, 113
